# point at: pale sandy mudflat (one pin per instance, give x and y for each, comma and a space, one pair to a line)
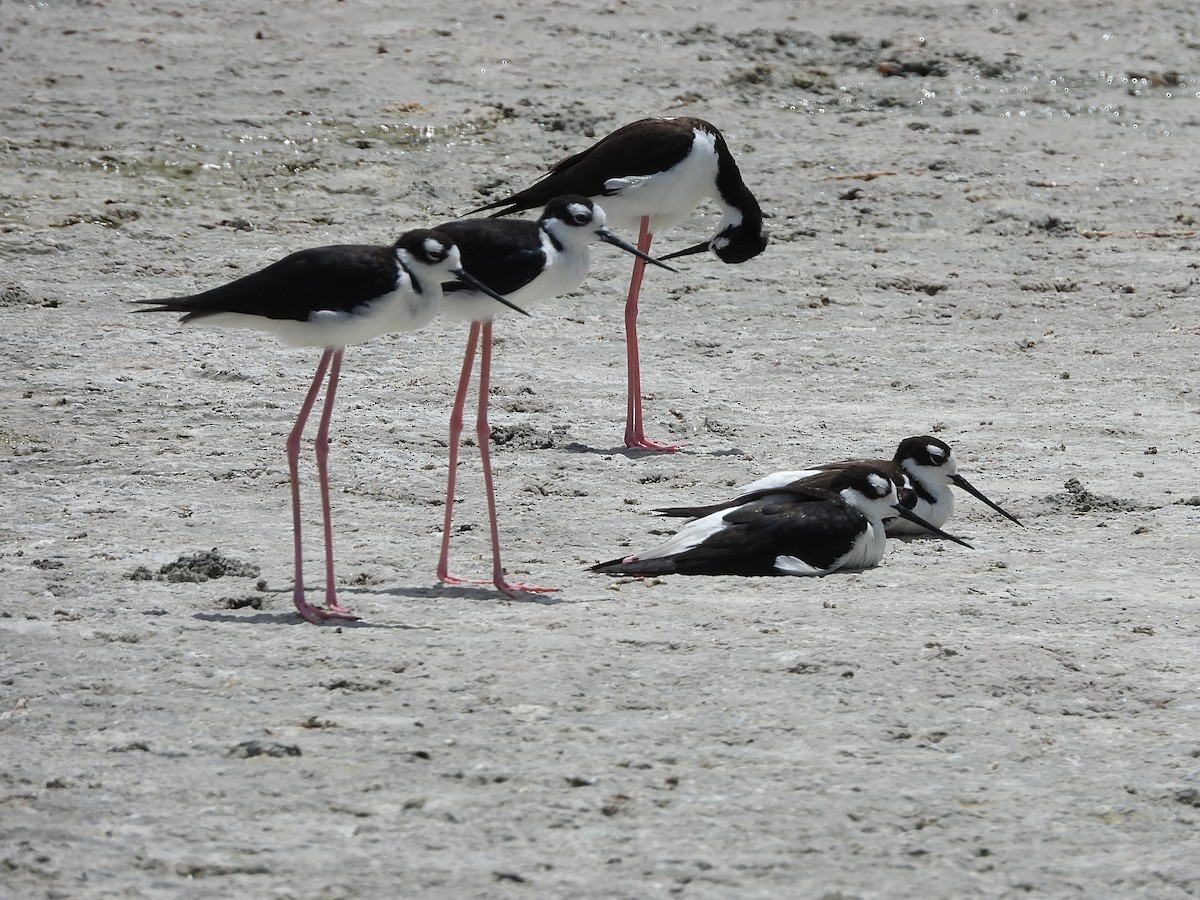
983, 222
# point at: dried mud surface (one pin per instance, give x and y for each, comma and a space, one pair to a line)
983, 225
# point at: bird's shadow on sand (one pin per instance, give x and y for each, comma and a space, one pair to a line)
482, 593
639, 453
293, 618
470, 592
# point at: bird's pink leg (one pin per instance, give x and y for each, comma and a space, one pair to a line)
483, 434
481, 335
322, 450
309, 612
635, 435
456, 427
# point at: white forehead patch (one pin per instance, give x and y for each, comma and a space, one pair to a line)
579, 211
434, 248
883, 486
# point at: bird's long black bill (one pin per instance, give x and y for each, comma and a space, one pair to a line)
609, 238
978, 495
913, 517
690, 251
475, 284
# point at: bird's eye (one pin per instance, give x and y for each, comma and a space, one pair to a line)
880, 485
435, 251
580, 213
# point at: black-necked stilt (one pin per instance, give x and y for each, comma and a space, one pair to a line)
330, 297
923, 468
650, 175
811, 527
525, 261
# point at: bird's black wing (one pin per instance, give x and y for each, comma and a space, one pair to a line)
341, 277
505, 256
754, 535
630, 150
813, 488
816, 531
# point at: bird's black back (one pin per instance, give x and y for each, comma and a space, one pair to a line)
504, 255
815, 487
634, 149
340, 277
816, 530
